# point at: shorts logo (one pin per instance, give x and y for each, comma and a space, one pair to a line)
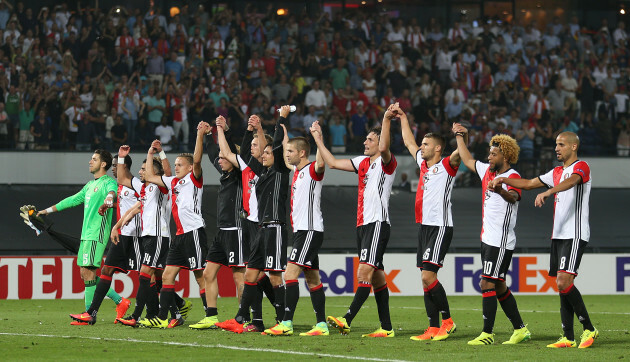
301, 175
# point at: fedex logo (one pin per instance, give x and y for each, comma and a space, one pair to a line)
344, 280
523, 275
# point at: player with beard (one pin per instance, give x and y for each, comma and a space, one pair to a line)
571, 184
433, 213
498, 240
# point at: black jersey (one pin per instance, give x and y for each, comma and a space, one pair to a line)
230, 196
272, 189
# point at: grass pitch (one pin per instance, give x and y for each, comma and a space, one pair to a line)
40, 329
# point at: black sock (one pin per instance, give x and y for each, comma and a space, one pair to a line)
510, 308
102, 287
179, 302
278, 292
167, 300
153, 301
489, 307
291, 297
361, 295
265, 286
382, 303
318, 299
574, 297
566, 315
202, 294
256, 308
438, 295
142, 295
432, 311
211, 312
249, 294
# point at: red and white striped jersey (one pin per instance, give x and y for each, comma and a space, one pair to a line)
185, 201
570, 219
306, 195
156, 209
433, 198
498, 215
126, 44
249, 178
126, 199
375, 186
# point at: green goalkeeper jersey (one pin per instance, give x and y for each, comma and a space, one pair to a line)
92, 195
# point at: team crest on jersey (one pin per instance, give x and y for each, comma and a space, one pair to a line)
301, 175
95, 189
151, 188
181, 182
373, 165
435, 170
126, 193
566, 176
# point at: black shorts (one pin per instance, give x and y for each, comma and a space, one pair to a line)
495, 262
566, 255
188, 250
228, 248
126, 255
269, 249
155, 251
372, 241
306, 246
433, 244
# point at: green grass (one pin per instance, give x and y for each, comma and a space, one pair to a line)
39, 329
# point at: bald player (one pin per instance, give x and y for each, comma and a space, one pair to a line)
571, 185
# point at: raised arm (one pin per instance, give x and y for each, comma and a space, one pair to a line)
331, 161
149, 173
224, 144
285, 141
279, 136
320, 165
166, 166
385, 139
123, 175
408, 138
460, 134
198, 153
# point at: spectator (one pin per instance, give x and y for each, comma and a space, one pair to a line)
339, 76
338, 134
316, 98
40, 130
119, 132
358, 128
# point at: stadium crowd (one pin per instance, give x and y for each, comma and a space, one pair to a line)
85, 78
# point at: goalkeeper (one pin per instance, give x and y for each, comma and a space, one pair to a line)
96, 228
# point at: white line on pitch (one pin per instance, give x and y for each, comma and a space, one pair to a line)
205, 346
479, 310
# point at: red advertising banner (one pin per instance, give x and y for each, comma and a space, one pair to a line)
58, 277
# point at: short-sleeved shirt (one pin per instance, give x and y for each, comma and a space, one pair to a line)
570, 220
186, 196
375, 186
126, 199
433, 197
499, 216
249, 179
155, 115
156, 209
306, 195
